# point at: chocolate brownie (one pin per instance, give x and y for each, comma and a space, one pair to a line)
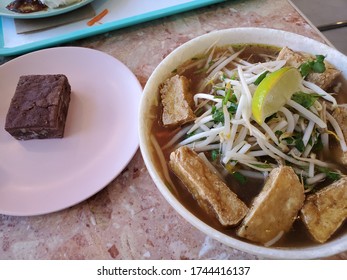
39, 107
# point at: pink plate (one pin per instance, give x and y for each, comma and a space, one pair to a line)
43, 176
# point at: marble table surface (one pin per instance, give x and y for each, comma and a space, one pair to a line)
129, 218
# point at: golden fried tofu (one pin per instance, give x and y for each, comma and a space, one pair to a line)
177, 101
294, 59
211, 193
325, 211
340, 115
276, 207
324, 80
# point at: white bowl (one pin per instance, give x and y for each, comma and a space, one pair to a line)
151, 97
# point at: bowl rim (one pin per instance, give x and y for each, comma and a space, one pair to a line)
260, 35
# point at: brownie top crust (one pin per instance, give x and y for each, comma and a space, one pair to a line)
37, 101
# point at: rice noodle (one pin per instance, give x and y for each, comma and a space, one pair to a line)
209, 57
199, 122
258, 153
281, 125
261, 142
235, 156
210, 165
252, 174
313, 160
223, 64
311, 168
309, 115
258, 166
315, 179
269, 131
260, 68
189, 66
275, 239
210, 139
178, 136
205, 96
228, 144
308, 132
241, 135
238, 146
213, 131
246, 109
243, 62
290, 119
283, 155
236, 151
338, 131
163, 163
320, 91
296, 120
209, 147
325, 142
307, 150
274, 150
226, 122
204, 127
214, 65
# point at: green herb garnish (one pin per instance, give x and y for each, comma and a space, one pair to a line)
232, 108
278, 133
305, 99
215, 154
332, 175
318, 145
217, 115
313, 66
295, 140
240, 177
260, 78
299, 144
262, 165
233, 98
227, 96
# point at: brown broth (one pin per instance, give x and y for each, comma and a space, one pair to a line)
298, 236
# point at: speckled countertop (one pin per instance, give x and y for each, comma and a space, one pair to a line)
129, 219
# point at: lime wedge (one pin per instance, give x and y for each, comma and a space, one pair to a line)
274, 91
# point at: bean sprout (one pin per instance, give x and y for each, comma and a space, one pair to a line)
226, 124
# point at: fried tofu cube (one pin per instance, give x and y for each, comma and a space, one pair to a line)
340, 115
324, 80
276, 207
292, 58
177, 100
211, 193
325, 211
